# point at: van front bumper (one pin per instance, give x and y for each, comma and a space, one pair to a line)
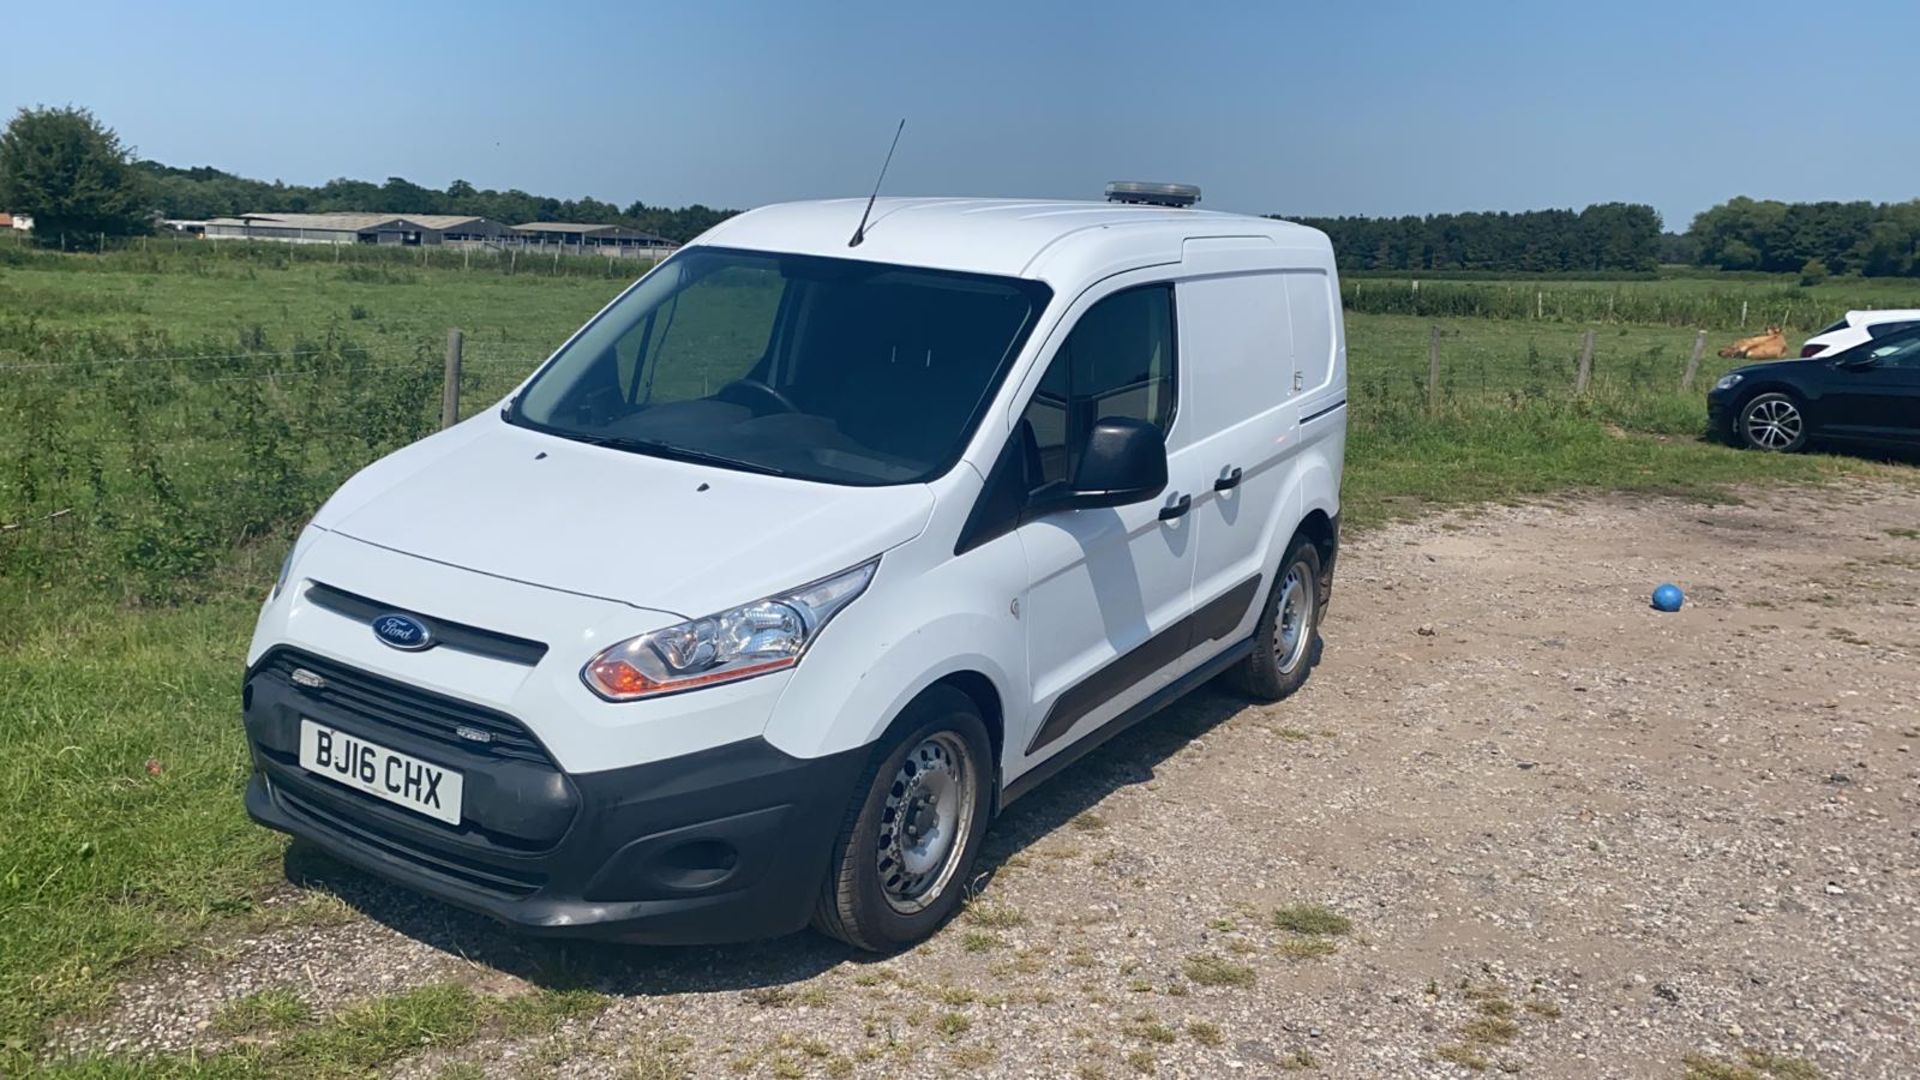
726, 844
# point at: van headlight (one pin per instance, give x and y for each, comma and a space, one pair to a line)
301, 542
1728, 382
739, 643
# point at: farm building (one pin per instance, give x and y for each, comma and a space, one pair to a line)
348, 228
589, 239
17, 222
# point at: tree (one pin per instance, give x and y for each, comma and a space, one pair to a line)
1606, 236
71, 173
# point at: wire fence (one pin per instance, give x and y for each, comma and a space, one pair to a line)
380, 263
139, 469
136, 469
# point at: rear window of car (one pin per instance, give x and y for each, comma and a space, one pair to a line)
1841, 325
1880, 330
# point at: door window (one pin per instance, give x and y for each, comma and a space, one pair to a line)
1902, 353
1117, 363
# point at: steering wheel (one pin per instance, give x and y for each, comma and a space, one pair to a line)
762, 391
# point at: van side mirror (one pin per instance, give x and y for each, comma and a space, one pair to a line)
1124, 462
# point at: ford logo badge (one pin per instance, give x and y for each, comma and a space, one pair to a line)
402, 631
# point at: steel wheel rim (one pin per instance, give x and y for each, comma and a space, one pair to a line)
1773, 424
1291, 634
925, 822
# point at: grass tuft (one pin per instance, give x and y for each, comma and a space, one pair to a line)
1208, 969
953, 1024
274, 1009
1311, 919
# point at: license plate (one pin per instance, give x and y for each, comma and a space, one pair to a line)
399, 778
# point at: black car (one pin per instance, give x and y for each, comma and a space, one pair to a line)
1868, 395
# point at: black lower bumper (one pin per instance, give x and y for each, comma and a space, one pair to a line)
727, 844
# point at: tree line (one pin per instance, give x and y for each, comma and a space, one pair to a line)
1813, 239
80, 184
1604, 237
206, 192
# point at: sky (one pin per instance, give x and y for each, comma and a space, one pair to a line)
1300, 109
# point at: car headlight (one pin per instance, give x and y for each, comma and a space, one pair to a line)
1728, 382
739, 643
300, 544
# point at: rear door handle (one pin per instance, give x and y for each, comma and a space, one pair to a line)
1176, 508
1229, 481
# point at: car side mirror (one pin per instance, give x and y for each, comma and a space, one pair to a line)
1858, 363
1124, 462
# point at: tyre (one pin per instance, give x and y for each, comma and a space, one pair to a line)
1286, 643
907, 844
1772, 421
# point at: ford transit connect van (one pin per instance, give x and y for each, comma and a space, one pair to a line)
804, 558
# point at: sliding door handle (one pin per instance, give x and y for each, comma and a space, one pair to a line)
1228, 481
1176, 508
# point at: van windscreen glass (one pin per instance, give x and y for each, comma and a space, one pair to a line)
835, 370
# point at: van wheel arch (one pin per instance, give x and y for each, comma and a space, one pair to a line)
1324, 533
986, 698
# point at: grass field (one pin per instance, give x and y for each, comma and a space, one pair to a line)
1721, 304
143, 506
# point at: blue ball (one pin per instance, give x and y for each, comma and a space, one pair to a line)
1668, 598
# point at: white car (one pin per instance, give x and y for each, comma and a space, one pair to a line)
1858, 327
804, 558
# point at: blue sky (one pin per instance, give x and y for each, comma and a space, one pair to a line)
1375, 108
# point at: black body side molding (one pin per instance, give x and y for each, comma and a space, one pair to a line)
1210, 623
1092, 740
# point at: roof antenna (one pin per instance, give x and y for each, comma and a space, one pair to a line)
860, 233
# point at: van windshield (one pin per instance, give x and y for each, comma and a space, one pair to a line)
834, 370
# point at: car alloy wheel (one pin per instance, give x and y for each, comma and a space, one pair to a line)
1773, 422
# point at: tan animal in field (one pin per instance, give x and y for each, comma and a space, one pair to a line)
1771, 345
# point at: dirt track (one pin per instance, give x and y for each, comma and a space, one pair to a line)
1575, 837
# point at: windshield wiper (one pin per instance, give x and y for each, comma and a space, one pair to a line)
673, 451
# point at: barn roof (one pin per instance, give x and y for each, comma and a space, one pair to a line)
348, 222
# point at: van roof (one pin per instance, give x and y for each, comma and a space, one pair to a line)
995, 236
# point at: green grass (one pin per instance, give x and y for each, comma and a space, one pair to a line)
356, 1042
105, 862
1753, 1065
1313, 919
1212, 970
274, 1009
1713, 301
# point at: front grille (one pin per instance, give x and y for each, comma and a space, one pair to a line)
386, 702
448, 634
500, 881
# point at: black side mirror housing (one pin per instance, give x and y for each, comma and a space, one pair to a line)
1125, 462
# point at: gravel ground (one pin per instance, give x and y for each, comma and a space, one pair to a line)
1574, 837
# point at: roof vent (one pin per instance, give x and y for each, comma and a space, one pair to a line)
1141, 193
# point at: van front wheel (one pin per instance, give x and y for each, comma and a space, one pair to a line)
1286, 641
912, 829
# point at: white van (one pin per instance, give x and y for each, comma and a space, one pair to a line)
804, 558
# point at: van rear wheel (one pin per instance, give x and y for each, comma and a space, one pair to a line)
1286, 641
901, 861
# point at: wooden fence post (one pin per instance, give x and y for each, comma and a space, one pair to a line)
1433, 370
450, 382
1693, 360
1585, 374
1743, 314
